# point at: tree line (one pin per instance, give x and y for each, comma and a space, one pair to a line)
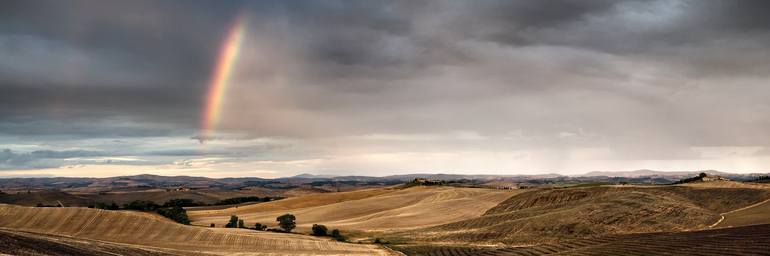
287, 223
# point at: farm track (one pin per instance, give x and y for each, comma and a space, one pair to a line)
144, 229
752, 214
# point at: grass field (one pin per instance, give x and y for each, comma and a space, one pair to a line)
755, 214
143, 229
552, 215
369, 210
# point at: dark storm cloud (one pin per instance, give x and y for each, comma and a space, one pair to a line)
41, 158
145, 60
635, 75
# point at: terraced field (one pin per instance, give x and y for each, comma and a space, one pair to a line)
369, 210
147, 230
748, 240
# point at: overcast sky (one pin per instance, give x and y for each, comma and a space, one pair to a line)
105, 88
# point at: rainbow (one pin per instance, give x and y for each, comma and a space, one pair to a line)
220, 79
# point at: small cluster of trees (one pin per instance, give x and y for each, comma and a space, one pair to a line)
287, 223
424, 182
46, 205
236, 222
693, 179
246, 199
321, 230
171, 209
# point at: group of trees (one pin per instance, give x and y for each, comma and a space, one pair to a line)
692, 179
236, 222
246, 199
321, 230
287, 223
171, 209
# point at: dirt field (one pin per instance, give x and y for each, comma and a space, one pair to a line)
142, 229
749, 240
369, 210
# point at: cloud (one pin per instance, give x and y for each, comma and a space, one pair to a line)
40, 158
604, 80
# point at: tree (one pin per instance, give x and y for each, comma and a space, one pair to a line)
175, 213
337, 235
286, 222
240, 224
259, 226
319, 230
233, 222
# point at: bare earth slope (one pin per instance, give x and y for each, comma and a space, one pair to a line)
369, 210
136, 228
748, 240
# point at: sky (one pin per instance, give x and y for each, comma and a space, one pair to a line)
279, 88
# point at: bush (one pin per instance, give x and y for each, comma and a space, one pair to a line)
176, 213
141, 205
181, 203
259, 226
337, 235
240, 224
213, 225
233, 222
246, 199
319, 230
286, 222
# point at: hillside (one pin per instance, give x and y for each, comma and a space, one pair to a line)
754, 214
142, 229
46, 198
369, 210
749, 240
30, 244
542, 216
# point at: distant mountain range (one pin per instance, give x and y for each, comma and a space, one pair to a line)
650, 173
441, 176
147, 181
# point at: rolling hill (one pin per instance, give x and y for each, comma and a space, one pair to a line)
748, 240
146, 230
551, 215
369, 210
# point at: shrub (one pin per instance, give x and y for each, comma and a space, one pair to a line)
240, 224
176, 213
337, 235
319, 230
141, 205
213, 225
181, 203
246, 199
259, 226
287, 222
233, 222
